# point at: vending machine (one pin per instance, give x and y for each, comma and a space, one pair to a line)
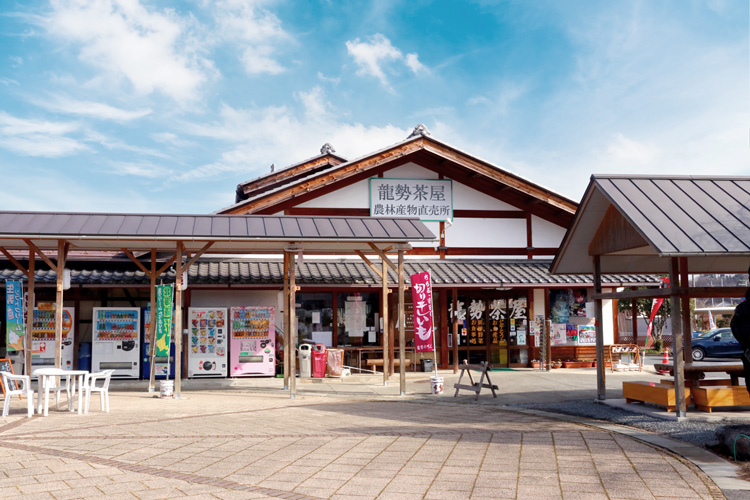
43, 338
207, 356
116, 339
252, 346
162, 364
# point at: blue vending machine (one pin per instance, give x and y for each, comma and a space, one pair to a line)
161, 363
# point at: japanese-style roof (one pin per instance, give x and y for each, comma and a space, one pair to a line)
292, 173
445, 273
426, 152
229, 233
635, 223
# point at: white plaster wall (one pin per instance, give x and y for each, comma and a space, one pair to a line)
467, 198
435, 228
410, 171
545, 233
355, 196
235, 298
486, 233
538, 306
608, 324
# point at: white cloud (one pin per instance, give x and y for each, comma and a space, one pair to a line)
171, 139
624, 149
93, 109
153, 51
256, 30
144, 169
262, 136
373, 56
328, 79
38, 137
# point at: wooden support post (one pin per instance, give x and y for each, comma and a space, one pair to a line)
152, 324
177, 320
386, 362
292, 328
454, 322
286, 321
601, 388
401, 324
634, 320
28, 346
686, 323
59, 303
676, 320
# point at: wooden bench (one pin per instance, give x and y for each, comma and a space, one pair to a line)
652, 392
373, 362
707, 398
702, 383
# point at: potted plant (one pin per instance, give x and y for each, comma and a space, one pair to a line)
587, 363
556, 364
535, 363
570, 363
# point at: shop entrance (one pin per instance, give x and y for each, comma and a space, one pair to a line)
493, 326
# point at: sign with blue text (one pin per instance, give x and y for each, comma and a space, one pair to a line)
428, 199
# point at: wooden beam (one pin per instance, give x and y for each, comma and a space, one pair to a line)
292, 327
401, 324
177, 320
649, 293
369, 263
685, 304
287, 351
137, 262
152, 323
59, 302
383, 256
384, 337
46, 259
28, 346
198, 254
677, 346
15, 262
166, 265
601, 388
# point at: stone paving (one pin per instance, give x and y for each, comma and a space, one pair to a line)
254, 444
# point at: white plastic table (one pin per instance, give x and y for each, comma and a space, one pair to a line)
44, 379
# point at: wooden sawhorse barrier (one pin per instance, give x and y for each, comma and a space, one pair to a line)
475, 386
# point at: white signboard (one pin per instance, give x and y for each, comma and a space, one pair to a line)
428, 199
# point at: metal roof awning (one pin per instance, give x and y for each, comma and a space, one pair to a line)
227, 233
637, 223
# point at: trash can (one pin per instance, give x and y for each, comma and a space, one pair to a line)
84, 356
427, 365
305, 364
335, 362
319, 360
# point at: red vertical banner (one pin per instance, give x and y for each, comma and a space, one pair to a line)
421, 296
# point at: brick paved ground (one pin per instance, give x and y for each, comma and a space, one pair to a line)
244, 445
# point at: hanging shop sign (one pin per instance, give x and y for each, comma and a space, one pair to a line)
164, 299
428, 199
14, 315
421, 295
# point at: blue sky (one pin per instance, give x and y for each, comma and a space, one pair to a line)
158, 106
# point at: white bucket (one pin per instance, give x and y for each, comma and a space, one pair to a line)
166, 388
436, 384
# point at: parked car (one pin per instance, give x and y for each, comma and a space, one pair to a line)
716, 343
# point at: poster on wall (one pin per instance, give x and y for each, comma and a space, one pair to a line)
355, 316
476, 322
577, 303
586, 335
571, 333
164, 306
559, 301
497, 322
558, 333
428, 199
521, 336
14, 315
538, 327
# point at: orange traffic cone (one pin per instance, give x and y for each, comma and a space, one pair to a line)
665, 360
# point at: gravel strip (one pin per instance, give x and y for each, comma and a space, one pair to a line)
700, 433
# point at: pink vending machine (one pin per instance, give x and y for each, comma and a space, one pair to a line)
252, 344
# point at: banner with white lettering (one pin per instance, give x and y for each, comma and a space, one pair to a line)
421, 296
14, 317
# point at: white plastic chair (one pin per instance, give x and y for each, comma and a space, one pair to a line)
48, 386
89, 385
17, 385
